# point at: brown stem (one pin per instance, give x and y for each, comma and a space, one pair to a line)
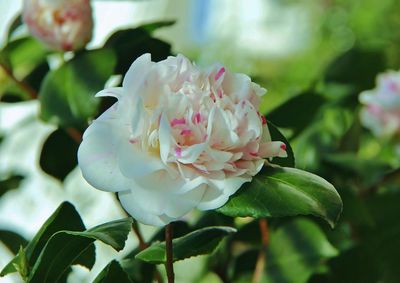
169, 265
143, 245
74, 134
260, 265
135, 227
27, 88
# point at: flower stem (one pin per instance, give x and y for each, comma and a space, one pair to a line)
27, 88
136, 230
143, 245
169, 251
260, 265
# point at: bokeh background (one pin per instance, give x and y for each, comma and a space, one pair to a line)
330, 47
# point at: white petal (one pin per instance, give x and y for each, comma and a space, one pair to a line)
130, 204
219, 191
116, 92
97, 157
134, 163
137, 73
165, 138
154, 205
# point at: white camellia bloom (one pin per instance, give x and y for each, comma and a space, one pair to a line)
60, 24
381, 113
178, 138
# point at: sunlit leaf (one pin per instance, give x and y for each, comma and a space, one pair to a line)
277, 191
64, 218
67, 94
64, 247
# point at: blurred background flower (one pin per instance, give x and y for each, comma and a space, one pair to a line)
61, 25
314, 57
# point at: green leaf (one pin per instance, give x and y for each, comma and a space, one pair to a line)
129, 44
138, 271
59, 154
304, 107
297, 249
23, 55
369, 171
64, 247
112, 273
21, 264
356, 67
64, 218
10, 183
276, 192
151, 27
276, 135
196, 243
17, 22
12, 240
67, 94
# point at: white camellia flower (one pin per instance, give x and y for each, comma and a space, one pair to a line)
178, 138
61, 24
381, 113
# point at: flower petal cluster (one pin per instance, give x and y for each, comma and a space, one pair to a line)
179, 137
63, 25
381, 111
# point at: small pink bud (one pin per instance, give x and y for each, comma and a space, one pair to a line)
60, 24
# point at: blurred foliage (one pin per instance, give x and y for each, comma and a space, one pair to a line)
313, 105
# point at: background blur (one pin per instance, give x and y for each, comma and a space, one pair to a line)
289, 47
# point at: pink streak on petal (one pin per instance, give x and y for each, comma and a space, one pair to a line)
178, 152
283, 146
255, 154
186, 132
133, 140
176, 122
263, 120
219, 74
197, 118
220, 93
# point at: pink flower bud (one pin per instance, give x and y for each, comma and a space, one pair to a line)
61, 24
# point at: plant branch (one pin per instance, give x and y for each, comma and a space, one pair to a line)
23, 85
169, 265
261, 260
143, 245
74, 134
135, 227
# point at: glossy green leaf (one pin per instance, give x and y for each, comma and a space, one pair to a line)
12, 240
59, 154
67, 94
138, 271
15, 24
151, 27
304, 107
65, 217
196, 243
64, 247
129, 44
23, 55
278, 191
296, 250
112, 273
